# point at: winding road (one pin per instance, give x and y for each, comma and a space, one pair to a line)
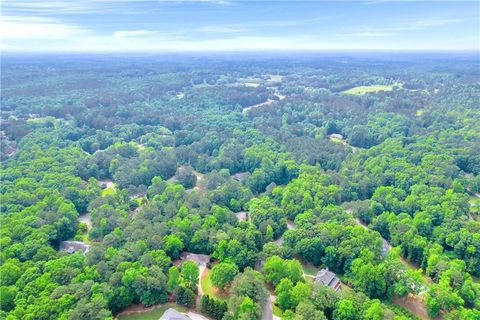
265, 103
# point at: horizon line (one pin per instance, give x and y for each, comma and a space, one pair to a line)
26, 52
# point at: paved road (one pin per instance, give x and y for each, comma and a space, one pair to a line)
290, 226
196, 316
267, 309
201, 269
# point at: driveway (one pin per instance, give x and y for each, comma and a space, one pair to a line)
267, 309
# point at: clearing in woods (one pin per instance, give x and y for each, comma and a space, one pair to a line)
138, 312
209, 289
373, 88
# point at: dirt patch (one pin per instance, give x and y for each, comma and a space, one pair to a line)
291, 225
241, 216
414, 304
86, 219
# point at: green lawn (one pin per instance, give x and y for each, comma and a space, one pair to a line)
153, 314
337, 140
277, 311
42, 120
373, 88
209, 289
107, 192
310, 269
474, 205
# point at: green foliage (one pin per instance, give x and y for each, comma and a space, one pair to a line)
173, 278
222, 274
275, 269
185, 297
189, 274
248, 310
212, 307
173, 245
250, 284
407, 168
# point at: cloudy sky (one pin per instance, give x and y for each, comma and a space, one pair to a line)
219, 25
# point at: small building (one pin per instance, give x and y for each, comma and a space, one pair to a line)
172, 314
74, 246
329, 279
199, 259
336, 136
240, 176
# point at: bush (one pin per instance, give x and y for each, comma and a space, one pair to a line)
213, 307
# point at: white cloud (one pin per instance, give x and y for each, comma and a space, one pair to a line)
221, 29
220, 2
134, 33
399, 29
34, 7
34, 28
56, 7
372, 34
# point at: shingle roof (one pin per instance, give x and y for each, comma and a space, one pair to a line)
74, 246
199, 259
172, 314
327, 278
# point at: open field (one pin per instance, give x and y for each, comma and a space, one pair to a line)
310, 269
152, 313
108, 191
373, 88
209, 289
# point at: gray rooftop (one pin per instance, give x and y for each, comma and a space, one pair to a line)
74, 246
172, 314
327, 278
199, 259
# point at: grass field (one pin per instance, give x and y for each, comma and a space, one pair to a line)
373, 88
310, 269
474, 203
41, 120
277, 311
108, 191
153, 314
276, 77
337, 140
209, 289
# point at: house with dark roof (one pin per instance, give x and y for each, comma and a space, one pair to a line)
329, 279
172, 314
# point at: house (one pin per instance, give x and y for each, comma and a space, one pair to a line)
240, 176
74, 246
172, 314
199, 259
329, 279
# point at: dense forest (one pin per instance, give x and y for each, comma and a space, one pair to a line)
275, 167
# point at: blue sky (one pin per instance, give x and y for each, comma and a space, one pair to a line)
224, 25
